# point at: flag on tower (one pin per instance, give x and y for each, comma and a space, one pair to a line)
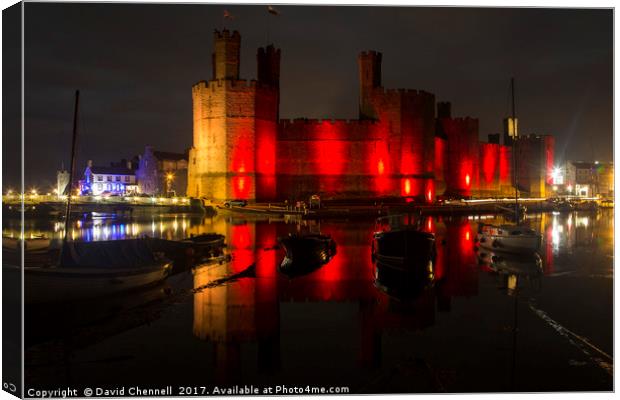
272, 10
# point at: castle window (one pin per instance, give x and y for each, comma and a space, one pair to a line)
118, 178
109, 178
99, 178
126, 178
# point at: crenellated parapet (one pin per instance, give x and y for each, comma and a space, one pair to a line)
225, 34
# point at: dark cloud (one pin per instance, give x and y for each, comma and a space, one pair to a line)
135, 64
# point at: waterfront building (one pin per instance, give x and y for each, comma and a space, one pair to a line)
604, 173
403, 143
162, 173
118, 178
589, 178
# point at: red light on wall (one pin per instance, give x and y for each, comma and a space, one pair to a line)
467, 235
407, 186
241, 187
467, 180
380, 167
490, 155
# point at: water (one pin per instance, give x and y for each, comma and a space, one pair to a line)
470, 328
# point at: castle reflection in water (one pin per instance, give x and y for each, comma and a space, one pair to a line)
249, 310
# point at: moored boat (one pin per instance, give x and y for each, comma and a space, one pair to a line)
94, 269
305, 253
509, 238
205, 241
402, 245
30, 244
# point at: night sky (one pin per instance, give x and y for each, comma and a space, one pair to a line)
135, 64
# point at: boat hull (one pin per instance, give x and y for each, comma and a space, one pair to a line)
304, 254
502, 240
56, 284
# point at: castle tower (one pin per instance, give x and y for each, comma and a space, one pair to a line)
226, 58
234, 120
268, 65
369, 64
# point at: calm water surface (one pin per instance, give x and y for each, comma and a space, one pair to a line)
473, 327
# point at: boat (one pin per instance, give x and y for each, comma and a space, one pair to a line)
305, 253
205, 241
89, 269
93, 269
402, 246
36, 243
586, 206
509, 238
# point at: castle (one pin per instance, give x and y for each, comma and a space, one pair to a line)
403, 144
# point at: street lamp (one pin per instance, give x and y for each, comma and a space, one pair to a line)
169, 179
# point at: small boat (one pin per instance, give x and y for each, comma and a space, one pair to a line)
205, 240
586, 206
402, 246
305, 253
94, 269
33, 244
562, 205
509, 238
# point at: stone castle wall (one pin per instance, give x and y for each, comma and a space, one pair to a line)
397, 147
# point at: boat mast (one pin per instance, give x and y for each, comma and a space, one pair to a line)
72, 171
514, 148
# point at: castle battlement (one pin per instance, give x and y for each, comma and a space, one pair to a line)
372, 53
403, 91
236, 84
226, 34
